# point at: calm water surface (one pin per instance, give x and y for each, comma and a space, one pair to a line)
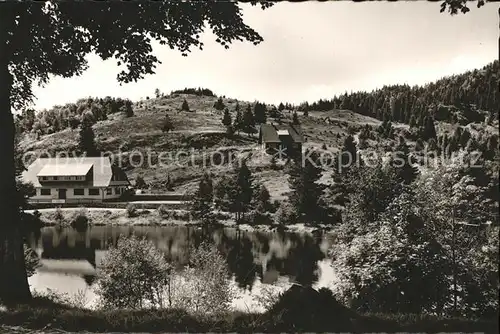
70, 258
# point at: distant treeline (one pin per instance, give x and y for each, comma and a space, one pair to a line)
195, 91
463, 98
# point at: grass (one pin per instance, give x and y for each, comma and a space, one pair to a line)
42, 313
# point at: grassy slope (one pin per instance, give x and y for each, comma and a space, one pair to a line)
202, 128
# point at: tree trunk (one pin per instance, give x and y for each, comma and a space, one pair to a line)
14, 286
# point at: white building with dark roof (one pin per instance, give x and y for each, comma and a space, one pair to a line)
75, 180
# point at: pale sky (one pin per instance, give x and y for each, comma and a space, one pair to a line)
311, 50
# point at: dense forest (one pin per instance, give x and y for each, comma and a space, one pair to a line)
469, 97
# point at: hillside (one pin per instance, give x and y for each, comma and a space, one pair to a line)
122, 126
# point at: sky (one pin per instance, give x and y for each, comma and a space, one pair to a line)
311, 50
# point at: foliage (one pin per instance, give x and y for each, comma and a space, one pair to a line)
306, 191
260, 112
423, 247
185, 105
457, 205
42, 39
455, 6
204, 285
263, 200
195, 91
403, 164
268, 295
202, 201
234, 192
70, 115
238, 122
133, 275
467, 97
370, 191
392, 268
80, 220
226, 119
31, 261
295, 118
219, 104
140, 183
131, 210
248, 121
286, 214
87, 142
168, 125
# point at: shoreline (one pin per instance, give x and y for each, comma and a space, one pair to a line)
149, 217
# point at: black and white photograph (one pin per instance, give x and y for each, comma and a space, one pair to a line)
257, 167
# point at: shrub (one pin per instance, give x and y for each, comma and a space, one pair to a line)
140, 183
80, 220
259, 218
185, 106
204, 286
163, 211
58, 216
131, 210
286, 214
134, 274
31, 260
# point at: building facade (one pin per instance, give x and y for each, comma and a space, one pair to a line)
75, 180
283, 138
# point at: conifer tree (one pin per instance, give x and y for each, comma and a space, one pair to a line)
263, 204
244, 190
219, 104
402, 164
306, 192
295, 119
167, 124
185, 105
202, 202
238, 123
345, 165
226, 119
86, 141
260, 113
347, 156
281, 107
429, 131
248, 121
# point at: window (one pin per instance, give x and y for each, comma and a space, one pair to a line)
93, 191
78, 192
45, 192
117, 191
109, 191
55, 178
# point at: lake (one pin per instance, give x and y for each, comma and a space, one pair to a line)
69, 257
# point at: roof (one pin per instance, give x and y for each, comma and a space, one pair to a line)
65, 169
102, 171
269, 133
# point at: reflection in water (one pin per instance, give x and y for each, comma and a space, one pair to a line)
249, 255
